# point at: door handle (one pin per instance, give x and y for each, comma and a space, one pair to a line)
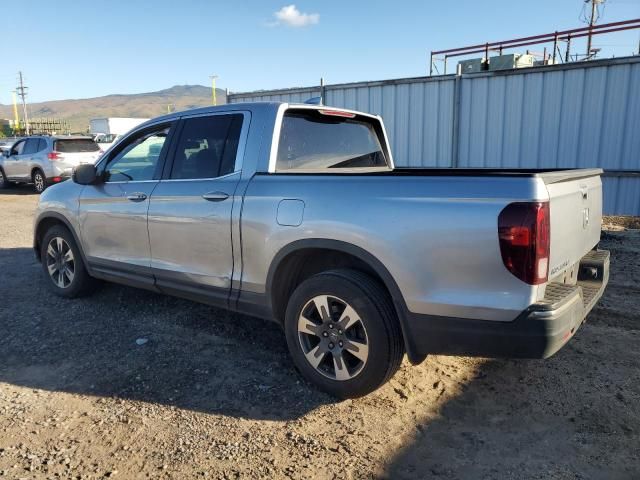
584, 190
215, 196
137, 197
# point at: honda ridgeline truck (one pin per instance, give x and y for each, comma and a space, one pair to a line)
296, 213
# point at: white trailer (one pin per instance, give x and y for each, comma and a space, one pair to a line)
106, 130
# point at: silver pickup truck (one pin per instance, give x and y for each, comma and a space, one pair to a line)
295, 213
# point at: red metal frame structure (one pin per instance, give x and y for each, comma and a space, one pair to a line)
555, 37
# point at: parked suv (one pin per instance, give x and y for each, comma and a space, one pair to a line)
44, 160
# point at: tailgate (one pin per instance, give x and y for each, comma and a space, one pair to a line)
75, 159
575, 203
74, 151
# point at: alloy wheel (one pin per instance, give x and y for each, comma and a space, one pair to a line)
60, 262
333, 337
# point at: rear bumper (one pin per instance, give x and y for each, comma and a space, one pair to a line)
62, 172
57, 179
538, 332
59, 174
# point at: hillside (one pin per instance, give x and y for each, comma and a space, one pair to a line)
78, 111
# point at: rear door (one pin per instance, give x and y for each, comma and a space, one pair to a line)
24, 163
113, 213
190, 210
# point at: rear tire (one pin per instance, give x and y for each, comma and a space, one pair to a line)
343, 333
39, 180
4, 183
65, 272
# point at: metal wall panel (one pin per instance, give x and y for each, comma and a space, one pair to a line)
621, 195
578, 115
294, 95
583, 114
418, 113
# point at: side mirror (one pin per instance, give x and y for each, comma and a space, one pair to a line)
85, 174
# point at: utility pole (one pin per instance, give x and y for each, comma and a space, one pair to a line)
22, 92
592, 21
214, 100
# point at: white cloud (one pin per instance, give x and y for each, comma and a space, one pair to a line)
290, 16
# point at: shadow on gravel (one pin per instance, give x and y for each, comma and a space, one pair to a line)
18, 190
531, 419
129, 343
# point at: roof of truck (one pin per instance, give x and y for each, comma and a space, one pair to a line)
257, 107
252, 106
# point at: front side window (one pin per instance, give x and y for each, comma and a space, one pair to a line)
316, 139
139, 159
18, 148
207, 147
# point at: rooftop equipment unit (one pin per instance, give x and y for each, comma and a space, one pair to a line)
473, 65
541, 62
511, 61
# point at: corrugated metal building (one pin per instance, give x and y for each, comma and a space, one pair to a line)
584, 114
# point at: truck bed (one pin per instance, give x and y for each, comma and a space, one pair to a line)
547, 175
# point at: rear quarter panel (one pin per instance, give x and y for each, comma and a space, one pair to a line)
437, 236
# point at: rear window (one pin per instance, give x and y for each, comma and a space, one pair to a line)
76, 145
311, 140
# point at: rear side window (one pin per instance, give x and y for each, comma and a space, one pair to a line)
76, 145
207, 147
42, 145
312, 140
31, 146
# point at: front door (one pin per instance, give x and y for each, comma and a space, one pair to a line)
190, 210
12, 164
113, 213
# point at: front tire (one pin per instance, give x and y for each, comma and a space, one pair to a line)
39, 181
4, 183
343, 333
62, 264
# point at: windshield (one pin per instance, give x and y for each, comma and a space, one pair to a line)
76, 145
311, 140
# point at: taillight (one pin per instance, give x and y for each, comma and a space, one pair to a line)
337, 113
53, 156
523, 230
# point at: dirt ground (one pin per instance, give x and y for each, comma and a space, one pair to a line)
213, 394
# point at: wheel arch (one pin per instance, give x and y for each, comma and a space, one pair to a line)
283, 276
44, 223
35, 168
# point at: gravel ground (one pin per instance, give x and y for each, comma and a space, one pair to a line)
129, 384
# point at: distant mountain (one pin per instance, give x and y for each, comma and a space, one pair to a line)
78, 111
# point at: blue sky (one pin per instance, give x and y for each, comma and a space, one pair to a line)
69, 49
